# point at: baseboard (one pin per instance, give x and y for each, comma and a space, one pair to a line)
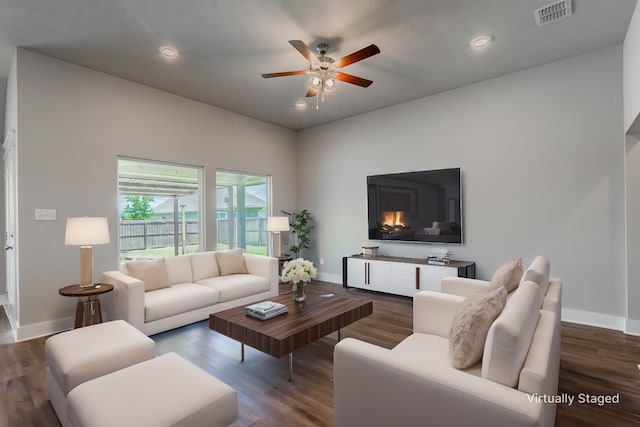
632, 327
607, 321
599, 320
23, 333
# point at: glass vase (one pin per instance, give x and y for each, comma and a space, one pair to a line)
298, 291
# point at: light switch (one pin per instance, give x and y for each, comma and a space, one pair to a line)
45, 214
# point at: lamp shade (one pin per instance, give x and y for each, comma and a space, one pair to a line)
86, 231
278, 223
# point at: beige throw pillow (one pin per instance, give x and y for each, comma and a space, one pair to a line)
231, 262
471, 324
152, 273
507, 275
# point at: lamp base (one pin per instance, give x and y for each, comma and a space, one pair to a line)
86, 273
277, 247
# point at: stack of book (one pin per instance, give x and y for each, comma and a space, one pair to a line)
265, 310
439, 259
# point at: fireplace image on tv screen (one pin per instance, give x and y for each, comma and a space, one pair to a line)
423, 206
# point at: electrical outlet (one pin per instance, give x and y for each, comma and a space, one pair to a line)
45, 214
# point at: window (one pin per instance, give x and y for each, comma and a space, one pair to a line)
159, 206
242, 210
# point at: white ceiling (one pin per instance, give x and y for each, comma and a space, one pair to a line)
225, 45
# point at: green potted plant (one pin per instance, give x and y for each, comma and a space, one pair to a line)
300, 223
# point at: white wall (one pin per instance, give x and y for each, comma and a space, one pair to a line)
542, 158
73, 124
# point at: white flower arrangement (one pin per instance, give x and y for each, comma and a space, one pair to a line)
298, 270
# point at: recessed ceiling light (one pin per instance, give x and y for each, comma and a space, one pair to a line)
481, 41
169, 51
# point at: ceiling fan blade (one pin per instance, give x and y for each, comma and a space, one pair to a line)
305, 50
284, 73
311, 92
354, 80
364, 53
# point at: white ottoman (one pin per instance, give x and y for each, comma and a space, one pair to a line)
83, 354
165, 391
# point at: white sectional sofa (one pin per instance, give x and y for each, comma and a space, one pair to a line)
187, 288
414, 384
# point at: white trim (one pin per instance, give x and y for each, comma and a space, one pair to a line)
36, 330
593, 319
632, 327
4, 299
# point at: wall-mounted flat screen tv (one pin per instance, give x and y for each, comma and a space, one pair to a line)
424, 206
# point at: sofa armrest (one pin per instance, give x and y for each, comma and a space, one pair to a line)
126, 302
462, 286
434, 311
264, 266
553, 298
374, 386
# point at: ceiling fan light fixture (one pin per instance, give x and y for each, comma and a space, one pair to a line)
300, 105
329, 83
169, 52
315, 81
481, 41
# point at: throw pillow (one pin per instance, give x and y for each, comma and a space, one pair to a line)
231, 262
471, 324
507, 275
152, 273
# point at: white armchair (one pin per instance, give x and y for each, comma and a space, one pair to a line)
414, 383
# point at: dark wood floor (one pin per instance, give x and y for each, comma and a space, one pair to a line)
594, 361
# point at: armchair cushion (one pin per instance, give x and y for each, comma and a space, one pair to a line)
510, 336
152, 273
471, 324
231, 262
507, 275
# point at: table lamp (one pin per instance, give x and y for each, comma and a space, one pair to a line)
86, 231
276, 224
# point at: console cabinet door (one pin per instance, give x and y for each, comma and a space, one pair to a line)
356, 272
404, 278
431, 275
368, 274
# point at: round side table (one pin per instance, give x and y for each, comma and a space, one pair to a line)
88, 310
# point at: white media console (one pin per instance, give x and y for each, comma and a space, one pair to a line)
400, 276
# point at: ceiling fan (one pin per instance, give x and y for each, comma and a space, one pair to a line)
324, 71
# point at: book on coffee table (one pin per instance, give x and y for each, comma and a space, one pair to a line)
265, 310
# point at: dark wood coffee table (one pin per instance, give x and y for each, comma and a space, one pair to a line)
305, 323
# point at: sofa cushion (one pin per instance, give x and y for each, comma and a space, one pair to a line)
231, 262
237, 285
204, 265
538, 272
510, 336
507, 275
471, 324
179, 269
177, 299
152, 273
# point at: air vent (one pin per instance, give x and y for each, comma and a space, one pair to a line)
552, 12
